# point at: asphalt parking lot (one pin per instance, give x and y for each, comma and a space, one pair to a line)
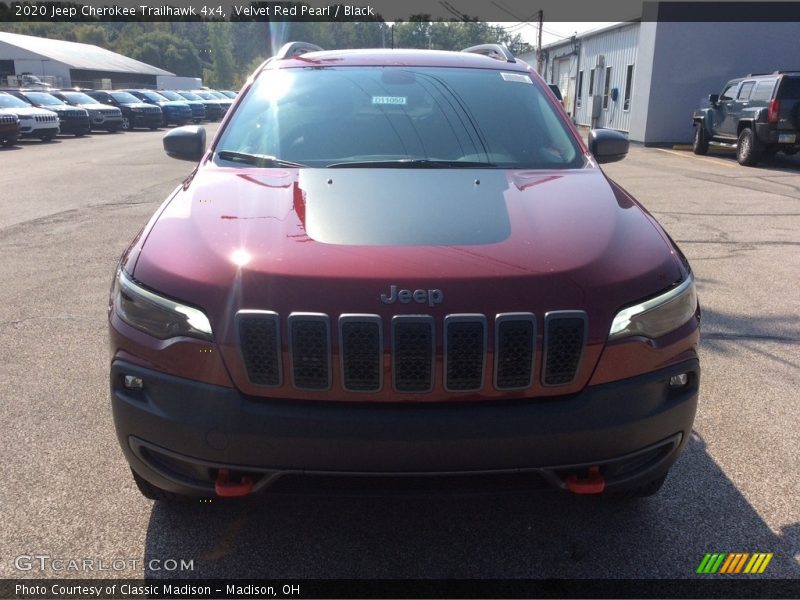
69, 208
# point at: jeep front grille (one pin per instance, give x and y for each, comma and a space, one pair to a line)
259, 339
564, 339
412, 348
5, 119
361, 348
515, 349
309, 351
464, 352
413, 353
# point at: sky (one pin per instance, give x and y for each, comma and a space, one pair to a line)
551, 32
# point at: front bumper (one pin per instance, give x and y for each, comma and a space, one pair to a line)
148, 120
178, 433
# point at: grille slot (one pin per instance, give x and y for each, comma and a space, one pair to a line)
564, 339
361, 352
310, 348
260, 344
464, 352
514, 350
412, 353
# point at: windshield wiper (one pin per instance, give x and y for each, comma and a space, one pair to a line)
412, 163
258, 160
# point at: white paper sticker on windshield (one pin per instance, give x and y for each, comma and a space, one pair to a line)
518, 77
388, 99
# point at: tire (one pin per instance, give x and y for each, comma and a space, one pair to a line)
113, 129
153, 127
126, 124
748, 150
47, 138
700, 145
152, 492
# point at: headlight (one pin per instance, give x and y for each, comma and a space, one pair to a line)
158, 316
657, 316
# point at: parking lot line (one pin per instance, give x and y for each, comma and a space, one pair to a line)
711, 160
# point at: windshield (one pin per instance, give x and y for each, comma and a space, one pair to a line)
9, 101
171, 95
189, 95
153, 96
79, 98
219, 95
205, 95
400, 116
229, 94
44, 99
124, 97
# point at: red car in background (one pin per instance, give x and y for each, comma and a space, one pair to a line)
405, 266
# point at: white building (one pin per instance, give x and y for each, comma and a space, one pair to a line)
68, 64
645, 78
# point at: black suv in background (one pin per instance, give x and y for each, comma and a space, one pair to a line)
759, 115
100, 116
74, 120
135, 113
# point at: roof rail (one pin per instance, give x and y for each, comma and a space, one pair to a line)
496, 51
773, 73
292, 49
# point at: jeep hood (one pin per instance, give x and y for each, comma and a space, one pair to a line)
333, 240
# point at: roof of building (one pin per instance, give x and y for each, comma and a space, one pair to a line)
80, 56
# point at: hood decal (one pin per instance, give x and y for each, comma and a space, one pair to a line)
401, 207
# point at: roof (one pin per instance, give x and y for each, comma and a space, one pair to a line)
591, 33
398, 57
80, 56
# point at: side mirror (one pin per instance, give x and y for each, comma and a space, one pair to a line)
607, 145
186, 143
713, 99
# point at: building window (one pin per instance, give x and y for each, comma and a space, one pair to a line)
580, 89
607, 87
626, 105
591, 82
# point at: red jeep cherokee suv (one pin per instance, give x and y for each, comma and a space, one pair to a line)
398, 265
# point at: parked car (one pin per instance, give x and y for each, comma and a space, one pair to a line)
222, 98
9, 128
230, 94
73, 120
401, 264
198, 106
135, 113
33, 122
759, 115
101, 117
211, 99
173, 113
214, 110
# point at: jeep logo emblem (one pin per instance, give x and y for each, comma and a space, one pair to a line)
429, 297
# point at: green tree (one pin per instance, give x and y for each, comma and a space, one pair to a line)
223, 68
168, 52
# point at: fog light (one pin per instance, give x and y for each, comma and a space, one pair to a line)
132, 382
679, 380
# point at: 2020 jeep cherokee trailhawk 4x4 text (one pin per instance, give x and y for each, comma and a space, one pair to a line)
401, 264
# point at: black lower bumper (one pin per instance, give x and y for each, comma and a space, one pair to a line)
178, 433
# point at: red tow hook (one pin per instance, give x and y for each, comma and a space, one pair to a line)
226, 488
593, 484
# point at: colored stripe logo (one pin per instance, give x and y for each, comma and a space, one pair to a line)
734, 563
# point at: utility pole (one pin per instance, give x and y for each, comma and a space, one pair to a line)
539, 48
